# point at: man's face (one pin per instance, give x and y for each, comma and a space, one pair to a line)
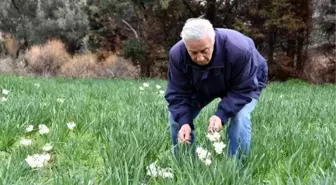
201, 50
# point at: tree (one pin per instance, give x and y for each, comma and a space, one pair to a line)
34, 22
327, 19
280, 29
137, 26
323, 42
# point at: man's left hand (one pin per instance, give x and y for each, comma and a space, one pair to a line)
215, 124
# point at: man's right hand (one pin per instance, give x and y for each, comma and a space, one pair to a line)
185, 134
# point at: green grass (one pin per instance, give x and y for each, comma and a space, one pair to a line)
121, 130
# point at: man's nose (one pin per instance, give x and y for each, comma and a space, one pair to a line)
199, 57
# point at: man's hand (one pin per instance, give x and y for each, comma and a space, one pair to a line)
215, 124
185, 134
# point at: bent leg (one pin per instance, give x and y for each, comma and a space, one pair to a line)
199, 102
239, 131
174, 130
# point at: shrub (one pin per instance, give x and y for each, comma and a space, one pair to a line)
136, 50
118, 67
35, 21
11, 46
6, 65
52, 59
84, 65
48, 58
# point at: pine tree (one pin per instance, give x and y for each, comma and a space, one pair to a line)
327, 19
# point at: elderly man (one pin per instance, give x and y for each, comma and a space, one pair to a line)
210, 63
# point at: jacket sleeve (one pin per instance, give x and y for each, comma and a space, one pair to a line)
178, 93
243, 87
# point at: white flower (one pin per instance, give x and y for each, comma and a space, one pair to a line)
166, 173
47, 147
3, 99
43, 129
152, 170
71, 125
5, 91
29, 128
158, 86
90, 182
219, 146
213, 136
155, 171
145, 84
202, 153
207, 162
161, 92
60, 100
37, 160
141, 88
281, 96
26, 142
37, 85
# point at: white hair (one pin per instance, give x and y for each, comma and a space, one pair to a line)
196, 28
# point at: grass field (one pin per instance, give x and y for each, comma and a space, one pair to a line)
120, 130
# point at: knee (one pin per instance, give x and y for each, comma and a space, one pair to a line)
245, 112
242, 115
171, 121
170, 116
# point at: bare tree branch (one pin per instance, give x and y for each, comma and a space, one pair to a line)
189, 8
16, 7
331, 59
234, 4
220, 3
135, 33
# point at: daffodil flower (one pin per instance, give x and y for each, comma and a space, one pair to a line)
71, 125
26, 142
219, 146
29, 128
5, 91
37, 160
43, 129
47, 147
215, 136
145, 84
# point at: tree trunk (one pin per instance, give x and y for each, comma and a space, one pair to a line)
189, 8
211, 11
300, 57
291, 51
270, 46
229, 5
145, 70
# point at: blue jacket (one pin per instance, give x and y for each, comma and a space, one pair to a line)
237, 74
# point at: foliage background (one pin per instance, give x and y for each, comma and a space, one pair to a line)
296, 37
